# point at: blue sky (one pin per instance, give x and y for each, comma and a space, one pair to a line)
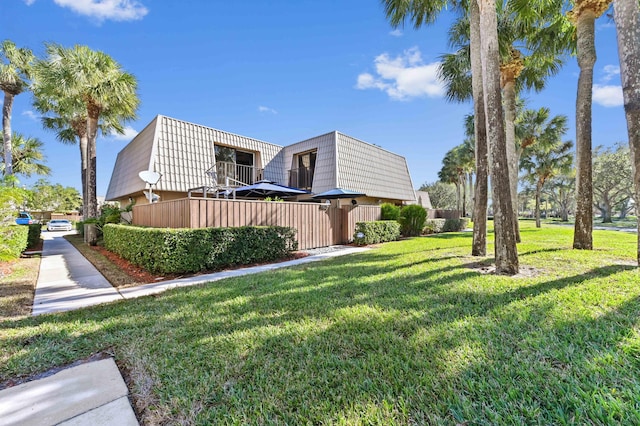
282, 71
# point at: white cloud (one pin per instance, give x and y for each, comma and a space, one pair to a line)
267, 109
403, 77
30, 114
610, 71
396, 33
607, 96
29, 2
129, 133
117, 10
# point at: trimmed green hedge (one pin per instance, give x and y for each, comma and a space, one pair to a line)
33, 237
181, 250
13, 241
375, 232
437, 226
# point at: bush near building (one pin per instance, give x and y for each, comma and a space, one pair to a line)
184, 250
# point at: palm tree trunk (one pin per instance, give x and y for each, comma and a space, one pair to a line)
83, 166
506, 252
479, 245
626, 14
6, 132
509, 91
463, 181
538, 191
586, 52
92, 133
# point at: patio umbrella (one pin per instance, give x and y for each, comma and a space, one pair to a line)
266, 188
336, 193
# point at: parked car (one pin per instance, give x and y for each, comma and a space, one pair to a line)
25, 218
59, 225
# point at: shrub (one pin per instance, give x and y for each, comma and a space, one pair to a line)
13, 241
434, 226
412, 218
191, 250
378, 231
33, 236
455, 225
389, 211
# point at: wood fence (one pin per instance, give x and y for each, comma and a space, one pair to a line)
317, 225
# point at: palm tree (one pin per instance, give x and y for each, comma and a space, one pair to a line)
542, 163
584, 15
506, 252
540, 60
626, 14
457, 166
14, 76
76, 75
422, 12
69, 120
27, 156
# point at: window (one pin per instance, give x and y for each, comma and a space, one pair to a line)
304, 165
236, 165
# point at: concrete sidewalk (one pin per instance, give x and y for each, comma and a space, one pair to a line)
67, 280
93, 393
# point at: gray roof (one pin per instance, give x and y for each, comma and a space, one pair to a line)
182, 152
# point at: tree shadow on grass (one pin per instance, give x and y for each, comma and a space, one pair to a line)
326, 343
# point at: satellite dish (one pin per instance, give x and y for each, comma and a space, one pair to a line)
150, 177
153, 198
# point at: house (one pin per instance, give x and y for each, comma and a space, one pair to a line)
185, 155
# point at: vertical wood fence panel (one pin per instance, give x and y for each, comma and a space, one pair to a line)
316, 225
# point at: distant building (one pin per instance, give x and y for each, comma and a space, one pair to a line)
187, 155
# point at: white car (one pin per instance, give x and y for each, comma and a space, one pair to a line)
59, 225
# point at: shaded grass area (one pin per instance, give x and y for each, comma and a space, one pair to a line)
404, 334
17, 288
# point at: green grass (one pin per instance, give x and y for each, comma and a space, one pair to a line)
404, 334
628, 222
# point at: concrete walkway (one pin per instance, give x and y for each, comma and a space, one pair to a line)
67, 280
87, 394
94, 393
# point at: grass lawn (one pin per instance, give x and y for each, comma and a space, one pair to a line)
17, 287
409, 333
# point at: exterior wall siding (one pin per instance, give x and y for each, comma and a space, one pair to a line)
133, 159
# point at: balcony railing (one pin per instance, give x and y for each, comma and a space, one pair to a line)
301, 177
236, 173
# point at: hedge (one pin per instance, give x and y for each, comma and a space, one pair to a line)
183, 250
13, 241
455, 225
33, 237
437, 226
375, 232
